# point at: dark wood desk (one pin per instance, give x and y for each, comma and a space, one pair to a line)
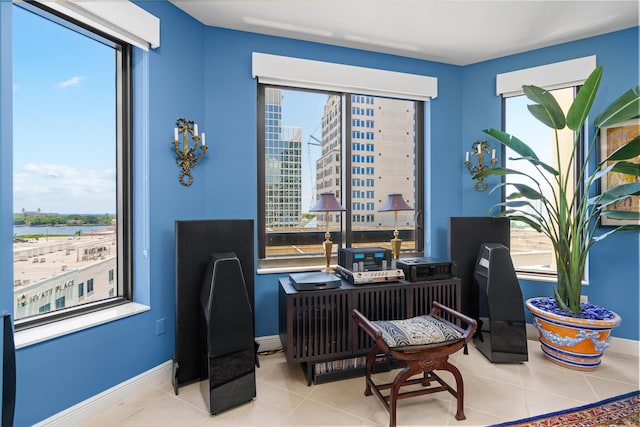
316, 329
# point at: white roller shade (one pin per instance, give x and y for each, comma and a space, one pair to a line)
550, 76
121, 19
308, 74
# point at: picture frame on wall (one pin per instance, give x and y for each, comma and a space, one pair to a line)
612, 138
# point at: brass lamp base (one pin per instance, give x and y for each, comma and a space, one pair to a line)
395, 245
328, 246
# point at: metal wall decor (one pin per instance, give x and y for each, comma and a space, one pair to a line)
188, 155
477, 149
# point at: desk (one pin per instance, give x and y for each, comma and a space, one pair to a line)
317, 331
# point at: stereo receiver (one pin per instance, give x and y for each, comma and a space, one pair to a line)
364, 277
364, 259
418, 269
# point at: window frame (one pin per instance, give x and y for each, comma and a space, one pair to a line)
123, 66
345, 237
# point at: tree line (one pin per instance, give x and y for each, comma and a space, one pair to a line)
72, 219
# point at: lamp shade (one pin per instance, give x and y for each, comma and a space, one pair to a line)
395, 202
327, 202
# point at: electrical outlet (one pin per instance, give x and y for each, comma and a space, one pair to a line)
584, 299
160, 326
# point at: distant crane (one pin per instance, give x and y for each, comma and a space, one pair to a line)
312, 168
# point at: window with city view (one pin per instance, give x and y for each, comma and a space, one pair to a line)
361, 148
531, 251
70, 167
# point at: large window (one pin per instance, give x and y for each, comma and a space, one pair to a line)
359, 147
532, 251
71, 165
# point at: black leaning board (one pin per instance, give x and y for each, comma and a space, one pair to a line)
466, 234
196, 240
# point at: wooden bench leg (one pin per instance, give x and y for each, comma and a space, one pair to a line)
459, 395
369, 369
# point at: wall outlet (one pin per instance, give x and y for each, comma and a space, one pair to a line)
160, 326
584, 299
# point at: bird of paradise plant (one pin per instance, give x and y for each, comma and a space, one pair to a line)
570, 218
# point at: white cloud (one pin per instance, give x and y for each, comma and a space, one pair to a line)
50, 170
64, 189
72, 82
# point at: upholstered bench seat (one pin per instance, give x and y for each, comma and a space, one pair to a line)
417, 333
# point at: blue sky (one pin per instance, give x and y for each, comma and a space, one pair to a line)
305, 110
63, 119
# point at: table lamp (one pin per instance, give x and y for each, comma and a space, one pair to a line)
327, 203
395, 203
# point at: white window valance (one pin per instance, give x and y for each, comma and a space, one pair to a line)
308, 74
558, 75
121, 19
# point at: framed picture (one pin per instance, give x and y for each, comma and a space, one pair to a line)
612, 138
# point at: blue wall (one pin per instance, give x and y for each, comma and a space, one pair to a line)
204, 74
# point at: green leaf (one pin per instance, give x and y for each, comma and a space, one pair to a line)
528, 192
626, 107
527, 221
627, 151
498, 171
581, 105
547, 109
628, 227
512, 142
516, 203
537, 162
621, 214
627, 168
618, 193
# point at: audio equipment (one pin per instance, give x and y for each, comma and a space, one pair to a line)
419, 269
364, 259
502, 335
314, 280
364, 277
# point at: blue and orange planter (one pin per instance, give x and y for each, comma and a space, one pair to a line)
572, 340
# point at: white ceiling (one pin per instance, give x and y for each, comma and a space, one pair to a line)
457, 32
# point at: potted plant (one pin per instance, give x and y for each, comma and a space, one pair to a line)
570, 220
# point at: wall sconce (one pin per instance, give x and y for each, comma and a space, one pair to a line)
327, 203
477, 150
395, 203
187, 156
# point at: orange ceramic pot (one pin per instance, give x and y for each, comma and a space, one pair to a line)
575, 341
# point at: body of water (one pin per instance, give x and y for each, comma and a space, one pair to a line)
70, 230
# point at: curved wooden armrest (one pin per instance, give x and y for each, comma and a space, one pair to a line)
366, 325
471, 324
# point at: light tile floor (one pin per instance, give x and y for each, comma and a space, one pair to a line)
493, 393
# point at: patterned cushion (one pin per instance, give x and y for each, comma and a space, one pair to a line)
421, 331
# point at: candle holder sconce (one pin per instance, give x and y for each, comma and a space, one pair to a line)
478, 148
188, 155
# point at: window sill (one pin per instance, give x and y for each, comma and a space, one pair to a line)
545, 278
60, 328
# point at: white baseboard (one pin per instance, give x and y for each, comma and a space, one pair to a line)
269, 343
79, 413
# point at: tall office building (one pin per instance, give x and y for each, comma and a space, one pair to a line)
383, 143
283, 166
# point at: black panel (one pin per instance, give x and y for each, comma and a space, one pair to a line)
196, 240
8, 373
466, 234
501, 335
228, 335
